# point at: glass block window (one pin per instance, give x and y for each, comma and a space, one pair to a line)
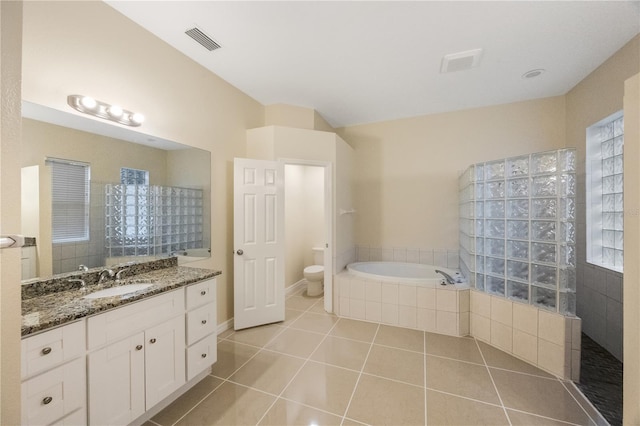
134, 176
605, 213
517, 228
143, 220
70, 200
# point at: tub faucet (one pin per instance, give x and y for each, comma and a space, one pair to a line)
448, 278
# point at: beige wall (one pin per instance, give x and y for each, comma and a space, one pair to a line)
406, 171
631, 381
599, 290
66, 52
10, 63
106, 155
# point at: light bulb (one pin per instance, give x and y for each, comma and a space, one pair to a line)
88, 102
137, 118
115, 111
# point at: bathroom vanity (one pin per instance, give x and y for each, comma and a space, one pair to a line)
118, 359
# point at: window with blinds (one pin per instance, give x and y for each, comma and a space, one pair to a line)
70, 200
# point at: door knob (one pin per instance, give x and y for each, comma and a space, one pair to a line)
240, 252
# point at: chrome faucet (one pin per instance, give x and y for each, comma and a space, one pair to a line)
120, 272
105, 275
448, 278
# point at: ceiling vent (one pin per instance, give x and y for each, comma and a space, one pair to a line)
461, 61
199, 36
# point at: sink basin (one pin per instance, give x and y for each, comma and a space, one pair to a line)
117, 291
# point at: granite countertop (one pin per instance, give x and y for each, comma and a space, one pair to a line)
43, 309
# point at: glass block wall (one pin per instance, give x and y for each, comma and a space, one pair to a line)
143, 220
517, 228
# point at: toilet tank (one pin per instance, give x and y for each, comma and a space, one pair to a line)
318, 255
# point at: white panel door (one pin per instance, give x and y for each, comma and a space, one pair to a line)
258, 242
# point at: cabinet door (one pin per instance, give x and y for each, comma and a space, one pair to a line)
116, 382
165, 359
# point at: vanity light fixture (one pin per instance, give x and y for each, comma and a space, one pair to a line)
88, 105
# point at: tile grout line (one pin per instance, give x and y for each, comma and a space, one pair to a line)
424, 366
234, 372
494, 384
344, 416
580, 405
198, 403
544, 417
297, 372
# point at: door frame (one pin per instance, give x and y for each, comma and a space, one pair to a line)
328, 222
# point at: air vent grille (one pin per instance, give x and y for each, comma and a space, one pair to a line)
206, 41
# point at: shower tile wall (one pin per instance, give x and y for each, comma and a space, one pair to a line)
437, 257
517, 229
599, 290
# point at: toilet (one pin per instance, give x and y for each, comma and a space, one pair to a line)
314, 274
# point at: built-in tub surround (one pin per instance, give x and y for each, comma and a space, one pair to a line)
418, 304
59, 300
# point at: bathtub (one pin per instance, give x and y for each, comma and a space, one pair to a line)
409, 273
406, 295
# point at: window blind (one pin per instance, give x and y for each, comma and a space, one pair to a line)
70, 200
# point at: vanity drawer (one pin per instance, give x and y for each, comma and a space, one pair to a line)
201, 293
200, 322
130, 319
201, 355
49, 397
46, 350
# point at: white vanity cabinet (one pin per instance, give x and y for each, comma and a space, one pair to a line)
114, 367
129, 376
54, 376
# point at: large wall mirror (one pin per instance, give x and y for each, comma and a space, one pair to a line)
146, 197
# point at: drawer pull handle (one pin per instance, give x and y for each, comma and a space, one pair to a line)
46, 351
47, 400
203, 355
139, 347
203, 292
153, 340
204, 321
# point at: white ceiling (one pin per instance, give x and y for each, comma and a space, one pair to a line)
359, 62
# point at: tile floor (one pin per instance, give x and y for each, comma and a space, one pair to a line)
318, 369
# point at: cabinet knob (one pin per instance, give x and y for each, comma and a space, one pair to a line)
204, 321
139, 347
47, 400
152, 340
203, 292
46, 351
203, 355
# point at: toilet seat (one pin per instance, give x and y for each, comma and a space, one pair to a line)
314, 273
314, 269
